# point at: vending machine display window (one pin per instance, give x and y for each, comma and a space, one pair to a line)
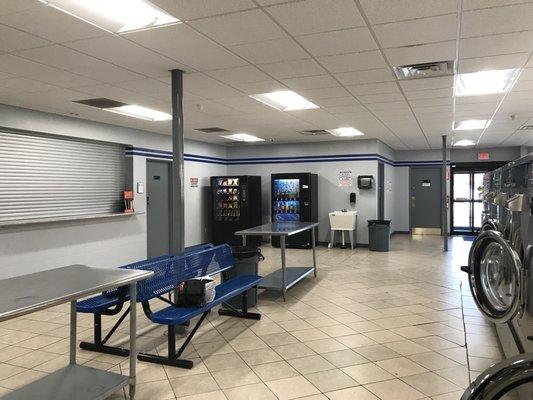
286, 200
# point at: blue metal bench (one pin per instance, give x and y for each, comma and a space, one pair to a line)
203, 263
112, 302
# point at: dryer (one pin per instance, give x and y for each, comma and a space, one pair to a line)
500, 261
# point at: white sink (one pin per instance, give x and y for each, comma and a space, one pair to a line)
343, 221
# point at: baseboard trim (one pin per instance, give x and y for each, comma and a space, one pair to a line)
400, 233
364, 245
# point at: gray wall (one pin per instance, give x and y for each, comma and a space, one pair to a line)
105, 242
331, 197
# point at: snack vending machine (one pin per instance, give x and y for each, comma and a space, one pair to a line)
295, 198
236, 205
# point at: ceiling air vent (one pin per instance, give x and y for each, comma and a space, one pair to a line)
211, 130
526, 127
315, 132
101, 102
426, 70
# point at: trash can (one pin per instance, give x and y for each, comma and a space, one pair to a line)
379, 235
246, 263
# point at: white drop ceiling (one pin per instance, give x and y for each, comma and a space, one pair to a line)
337, 53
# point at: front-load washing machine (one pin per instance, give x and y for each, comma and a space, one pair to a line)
500, 262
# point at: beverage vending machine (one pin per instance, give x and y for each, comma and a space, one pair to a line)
236, 205
295, 198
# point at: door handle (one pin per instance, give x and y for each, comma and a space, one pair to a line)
466, 269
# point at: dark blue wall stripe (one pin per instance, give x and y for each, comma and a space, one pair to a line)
167, 155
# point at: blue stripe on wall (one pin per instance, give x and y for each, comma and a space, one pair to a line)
167, 155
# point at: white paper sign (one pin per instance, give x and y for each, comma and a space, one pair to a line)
345, 179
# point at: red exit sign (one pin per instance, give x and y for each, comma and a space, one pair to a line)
483, 156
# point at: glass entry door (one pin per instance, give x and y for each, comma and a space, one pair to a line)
466, 202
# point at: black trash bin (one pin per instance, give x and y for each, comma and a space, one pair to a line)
246, 263
379, 234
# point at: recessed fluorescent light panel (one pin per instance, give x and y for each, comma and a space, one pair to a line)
485, 82
115, 16
140, 112
345, 132
464, 143
471, 124
243, 137
284, 100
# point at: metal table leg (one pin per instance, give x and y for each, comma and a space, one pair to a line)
133, 338
283, 267
314, 246
73, 330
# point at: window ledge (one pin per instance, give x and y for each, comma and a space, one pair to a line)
35, 221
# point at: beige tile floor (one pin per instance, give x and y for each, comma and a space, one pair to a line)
372, 326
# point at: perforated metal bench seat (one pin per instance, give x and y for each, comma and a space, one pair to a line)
227, 290
99, 303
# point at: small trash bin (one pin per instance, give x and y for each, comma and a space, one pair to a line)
379, 235
246, 263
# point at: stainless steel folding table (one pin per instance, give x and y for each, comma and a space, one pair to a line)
285, 277
30, 293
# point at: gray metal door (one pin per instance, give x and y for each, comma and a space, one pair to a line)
158, 207
425, 197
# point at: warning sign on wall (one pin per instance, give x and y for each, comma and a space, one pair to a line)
194, 182
345, 179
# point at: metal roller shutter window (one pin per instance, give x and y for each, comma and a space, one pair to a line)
44, 176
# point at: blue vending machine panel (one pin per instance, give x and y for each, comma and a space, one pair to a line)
286, 200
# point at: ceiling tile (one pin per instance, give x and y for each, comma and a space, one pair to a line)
51, 24
423, 102
337, 101
121, 51
353, 61
43, 73
418, 31
373, 88
338, 42
349, 109
311, 82
368, 76
246, 74
383, 11
313, 16
206, 87
325, 93
266, 86
25, 85
71, 60
181, 43
239, 28
192, 9
429, 94
150, 87
12, 39
516, 60
270, 51
505, 43
392, 105
476, 4
380, 98
13, 6
489, 21
124, 95
291, 69
442, 51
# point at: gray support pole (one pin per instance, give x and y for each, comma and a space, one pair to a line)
444, 194
177, 223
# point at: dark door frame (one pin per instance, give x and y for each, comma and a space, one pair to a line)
409, 193
169, 166
471, 168
381, 190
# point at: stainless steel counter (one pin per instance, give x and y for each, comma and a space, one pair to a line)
30, 293
285, 277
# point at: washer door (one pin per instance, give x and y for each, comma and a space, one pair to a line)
509, 379
494, 270
489, 225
